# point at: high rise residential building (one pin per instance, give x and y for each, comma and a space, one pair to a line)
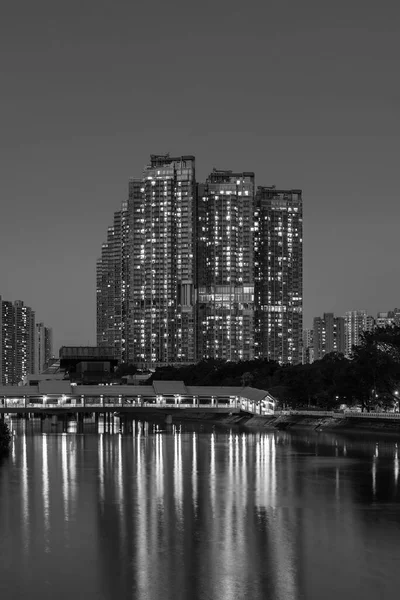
225, 266
17, 351
112, 287
356, 322
328, 335
308, 346
191, 271
279, 274
43, 347
24, 340
146, 274
6, 342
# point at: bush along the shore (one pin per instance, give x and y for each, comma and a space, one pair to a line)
5, 438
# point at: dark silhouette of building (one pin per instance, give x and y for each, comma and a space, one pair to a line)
88, 364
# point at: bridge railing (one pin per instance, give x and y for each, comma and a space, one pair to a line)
45, 405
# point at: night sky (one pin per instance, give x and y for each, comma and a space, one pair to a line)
306, 94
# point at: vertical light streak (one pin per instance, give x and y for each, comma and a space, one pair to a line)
159, 471
72, 477
45, 494
212, 475
65, 481
120, 491
25, 498
337, 484
141, 522
100, 448
194, 474
178, 486
374, 476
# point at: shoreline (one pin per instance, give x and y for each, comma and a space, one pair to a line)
358, 427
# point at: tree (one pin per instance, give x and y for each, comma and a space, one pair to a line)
247, 378
125, 369
376, 366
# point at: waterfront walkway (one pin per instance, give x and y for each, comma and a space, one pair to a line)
62, 396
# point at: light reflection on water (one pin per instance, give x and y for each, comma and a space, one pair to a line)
183, 512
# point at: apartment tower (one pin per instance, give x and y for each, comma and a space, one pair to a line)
192, 271
278, 257
163, 263
355, 323
225, 266
17, 341
43, 346
328, 335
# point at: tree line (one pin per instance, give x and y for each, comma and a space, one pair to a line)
369, 378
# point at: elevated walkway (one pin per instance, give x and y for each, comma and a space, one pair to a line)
55, 396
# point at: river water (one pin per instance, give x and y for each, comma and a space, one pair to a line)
191, 513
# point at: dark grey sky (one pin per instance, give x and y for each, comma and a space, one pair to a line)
306, 94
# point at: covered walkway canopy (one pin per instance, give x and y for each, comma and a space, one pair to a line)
160, 393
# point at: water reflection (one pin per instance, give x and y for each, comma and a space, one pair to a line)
46, 492
173, 513
25, 496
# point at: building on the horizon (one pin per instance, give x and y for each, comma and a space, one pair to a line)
308, 347
225, 266
356, 322
279, 274
43, 347
17, 341
391, 317
192, 271
328, 335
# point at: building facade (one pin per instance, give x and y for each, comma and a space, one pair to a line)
17, 350
146, 274
308, 347
328, 335
279, 274
112, 278
391, 317
43, 347
192, 271
356, 322
225, 266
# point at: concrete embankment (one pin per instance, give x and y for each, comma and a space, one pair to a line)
362, 425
